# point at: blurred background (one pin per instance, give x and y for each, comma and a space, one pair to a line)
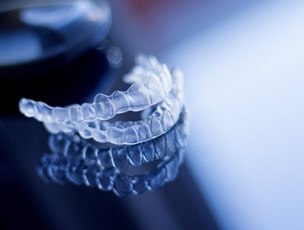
244, 86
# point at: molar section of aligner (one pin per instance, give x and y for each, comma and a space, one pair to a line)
138, 97
103, 107
120, 102
75, 113
60, 115
27, 107
88, 112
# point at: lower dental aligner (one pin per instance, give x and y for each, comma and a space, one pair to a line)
150, 82
157, 122
123, 157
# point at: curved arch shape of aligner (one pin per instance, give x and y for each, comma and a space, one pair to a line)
150, 82
157, 122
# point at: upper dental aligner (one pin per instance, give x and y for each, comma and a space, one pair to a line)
157, 122
150, 84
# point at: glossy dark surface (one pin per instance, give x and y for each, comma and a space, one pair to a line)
25, 197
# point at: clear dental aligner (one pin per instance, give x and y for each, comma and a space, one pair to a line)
123, 157
61, 169
150, 84
157, 121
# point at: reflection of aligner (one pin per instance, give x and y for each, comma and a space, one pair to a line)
79, 162
59, 169
151, 82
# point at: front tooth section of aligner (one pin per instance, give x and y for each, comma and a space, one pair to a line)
103, 107
155, 89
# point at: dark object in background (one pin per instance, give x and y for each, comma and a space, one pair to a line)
48, 50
